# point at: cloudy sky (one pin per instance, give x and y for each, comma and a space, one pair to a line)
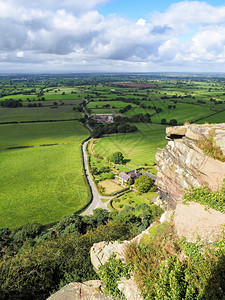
112, 36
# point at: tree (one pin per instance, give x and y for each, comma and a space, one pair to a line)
117, 157
163, 121
173, 122
143, 184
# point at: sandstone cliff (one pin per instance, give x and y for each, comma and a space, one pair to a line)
182, 164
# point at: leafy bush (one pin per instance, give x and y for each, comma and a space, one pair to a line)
143, 184
203, 196
168, 268
111, 273
210, 148
117, 157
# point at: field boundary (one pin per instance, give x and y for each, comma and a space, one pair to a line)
213, 114
25, 147
39, 121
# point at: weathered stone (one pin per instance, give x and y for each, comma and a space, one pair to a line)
182, 165
89, 290
129, 288
101, 252
166, 216
178, 130
196, 223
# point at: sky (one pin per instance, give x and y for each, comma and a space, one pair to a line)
111, 36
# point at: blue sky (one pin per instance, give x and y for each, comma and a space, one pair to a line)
112, 36
135, 9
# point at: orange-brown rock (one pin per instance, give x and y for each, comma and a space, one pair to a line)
89, 290
182, 165
198, 224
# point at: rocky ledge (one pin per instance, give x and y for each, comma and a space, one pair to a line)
182, 164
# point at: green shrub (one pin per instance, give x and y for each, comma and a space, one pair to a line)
210, 148
203, 196
111, 273
168, 268
143, 184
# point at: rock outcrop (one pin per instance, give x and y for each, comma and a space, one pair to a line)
182, 165
89, 290
198, 224
100, 254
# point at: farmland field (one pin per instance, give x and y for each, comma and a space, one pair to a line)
183, 113
217, 118
43, 183
138, 147
40, 184
34, 134
37, 114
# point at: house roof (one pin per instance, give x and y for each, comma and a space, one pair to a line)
124, 176
135, 175
150, 175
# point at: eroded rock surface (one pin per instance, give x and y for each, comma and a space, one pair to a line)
196, 223
182, 165
100, 254
89, 290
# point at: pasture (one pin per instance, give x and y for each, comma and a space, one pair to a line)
35, 134
40, 184
38, 113
139, 147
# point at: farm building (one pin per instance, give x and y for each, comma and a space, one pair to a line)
103, 118
133, 174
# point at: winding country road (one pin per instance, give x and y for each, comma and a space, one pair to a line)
96, 202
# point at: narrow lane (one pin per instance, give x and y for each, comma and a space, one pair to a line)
96, 202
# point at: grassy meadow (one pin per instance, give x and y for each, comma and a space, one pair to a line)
34, 134
139, 147
38, 114
42, 183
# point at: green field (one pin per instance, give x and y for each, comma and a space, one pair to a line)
182, 113
37, 114
34, 134
138, 147
40, 184
218, 118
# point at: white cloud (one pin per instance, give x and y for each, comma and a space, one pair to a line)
20, 54
141, 22
73, 34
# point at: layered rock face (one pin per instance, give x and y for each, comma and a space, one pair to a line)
182, 165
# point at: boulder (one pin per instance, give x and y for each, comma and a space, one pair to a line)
101, 252
89, 290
